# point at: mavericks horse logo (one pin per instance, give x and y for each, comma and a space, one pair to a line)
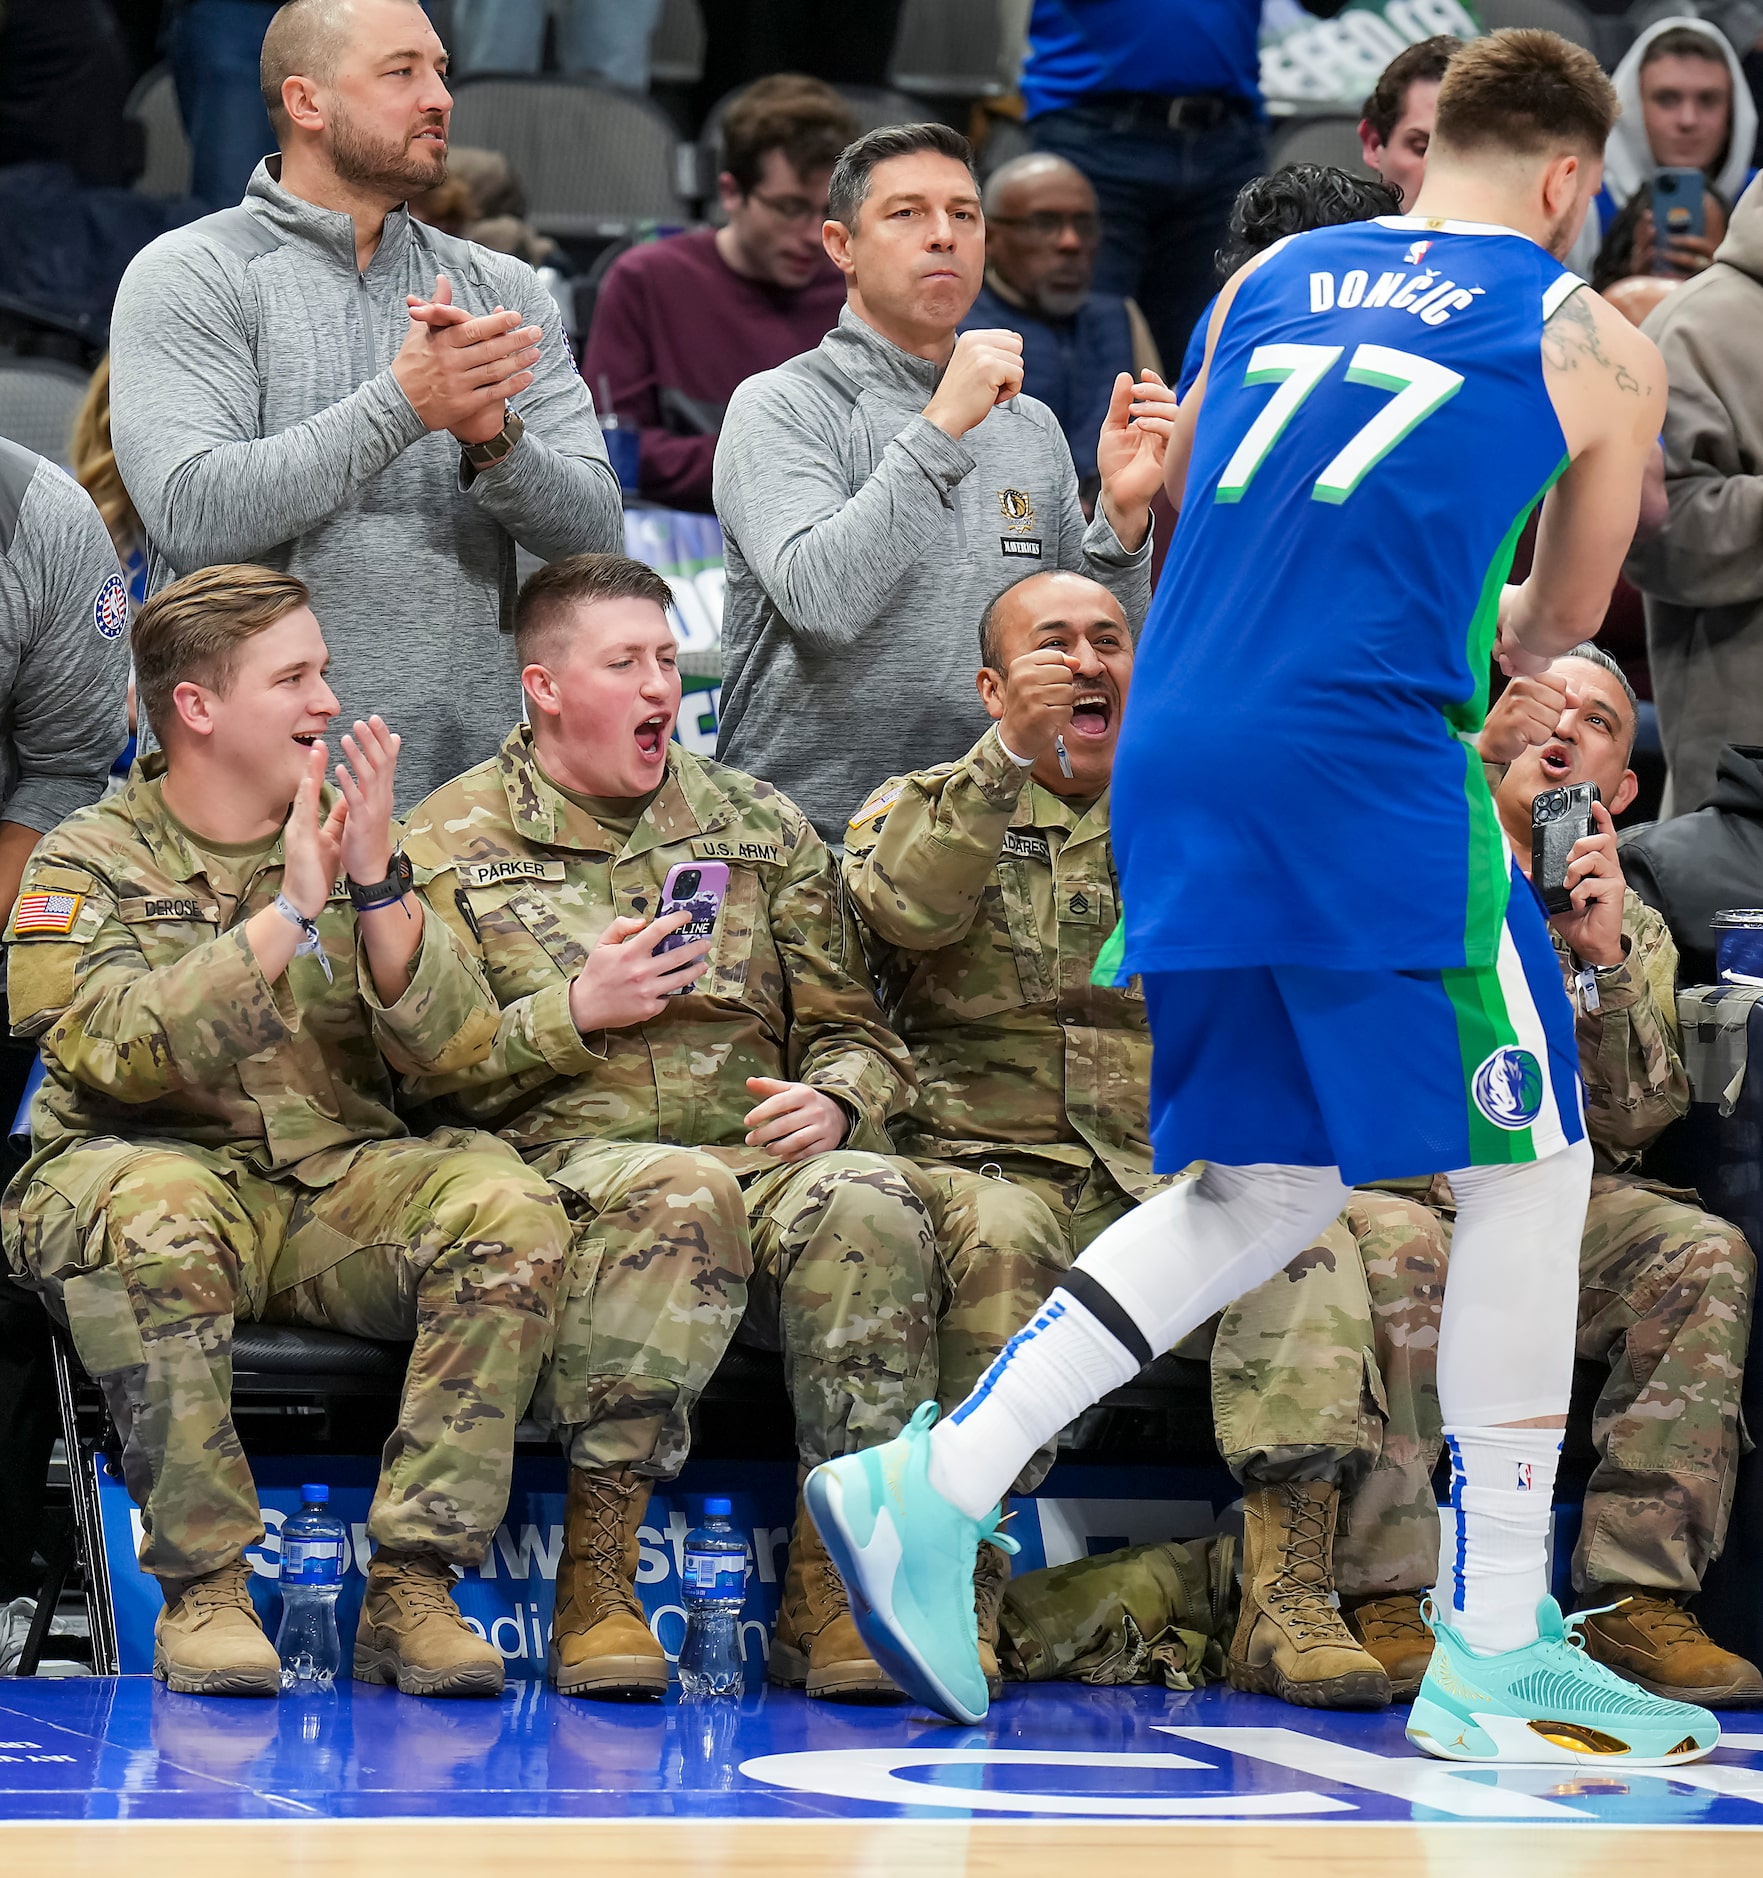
1508, 1087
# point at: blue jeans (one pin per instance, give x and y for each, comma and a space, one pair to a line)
214, 48
607, 37
1166, 198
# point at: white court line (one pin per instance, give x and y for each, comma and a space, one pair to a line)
1423, 1782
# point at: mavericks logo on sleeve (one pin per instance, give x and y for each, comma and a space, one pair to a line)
1508, 1087
110, 611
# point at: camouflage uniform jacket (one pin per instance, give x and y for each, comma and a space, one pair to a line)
529, 882
155, 1020
1630, 1052
986, 900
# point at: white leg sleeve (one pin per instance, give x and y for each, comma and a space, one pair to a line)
1145, 1283
1511, 1300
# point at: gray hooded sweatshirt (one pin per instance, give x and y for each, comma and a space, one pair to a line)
862, 544
256, 418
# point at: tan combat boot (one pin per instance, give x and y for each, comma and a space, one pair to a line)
601, 1643
1290, 1640
1651, 1639
816, 1645
412, 1636
208, 1640
1392, 1630
991, 1577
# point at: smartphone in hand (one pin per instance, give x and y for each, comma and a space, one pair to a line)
1679, 208
697, 887
1558, 819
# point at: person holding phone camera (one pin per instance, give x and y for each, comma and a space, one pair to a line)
714, 1113
987, 890
1665, 1289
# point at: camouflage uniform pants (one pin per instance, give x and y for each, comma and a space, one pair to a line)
1326, 1372
845, 1284
151, 1252
1664, 1301
1006, 1232
655, 1284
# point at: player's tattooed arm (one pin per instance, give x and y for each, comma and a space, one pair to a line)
1571, 339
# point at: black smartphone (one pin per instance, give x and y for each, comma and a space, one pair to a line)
1558, 819
1679, 208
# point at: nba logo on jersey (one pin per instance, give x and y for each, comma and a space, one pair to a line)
1416, 253
1523, 1476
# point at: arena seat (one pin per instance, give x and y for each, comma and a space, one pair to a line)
676, 48
1565, 17
593, 159
39, 399
153, 104
959, 48
1331, 139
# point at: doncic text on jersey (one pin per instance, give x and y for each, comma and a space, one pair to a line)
1424, 294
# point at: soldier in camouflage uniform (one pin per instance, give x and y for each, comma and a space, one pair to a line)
216, 1142
715, 1116
987, 889
1665, 1288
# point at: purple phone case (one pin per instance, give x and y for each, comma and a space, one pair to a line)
704, 905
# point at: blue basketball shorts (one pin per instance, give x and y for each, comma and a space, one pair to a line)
1385, 1075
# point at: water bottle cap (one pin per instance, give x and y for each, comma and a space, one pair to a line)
316, 1495
716, 1507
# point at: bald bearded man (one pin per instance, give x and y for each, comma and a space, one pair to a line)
316, 382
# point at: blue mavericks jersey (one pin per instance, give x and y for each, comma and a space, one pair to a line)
1293, 784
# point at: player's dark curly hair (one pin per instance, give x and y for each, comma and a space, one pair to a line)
1295, 199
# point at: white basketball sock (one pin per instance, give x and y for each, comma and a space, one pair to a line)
1505, 1356
1502, 1487
1139, 1289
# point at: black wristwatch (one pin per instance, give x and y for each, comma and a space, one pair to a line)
383, 892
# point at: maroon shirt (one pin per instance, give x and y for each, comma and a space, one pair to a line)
675, 330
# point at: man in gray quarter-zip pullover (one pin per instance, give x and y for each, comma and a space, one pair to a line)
64, 663
877, 493
276, 398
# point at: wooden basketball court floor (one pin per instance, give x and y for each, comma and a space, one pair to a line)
113, 1776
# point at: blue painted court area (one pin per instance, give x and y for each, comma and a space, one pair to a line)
123, 1748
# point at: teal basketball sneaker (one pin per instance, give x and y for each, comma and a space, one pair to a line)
906, 1556
1548, 1702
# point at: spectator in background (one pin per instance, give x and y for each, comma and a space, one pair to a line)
1158, 102
481, 199
881, 490
254, 419
1042, 232
1685, 105
1702, 574
214, 47
608, 39
1395, 129
1299, 197
680, 323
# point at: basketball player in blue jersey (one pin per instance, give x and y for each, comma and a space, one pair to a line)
1346, 979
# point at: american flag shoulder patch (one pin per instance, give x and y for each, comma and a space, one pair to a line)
46, 913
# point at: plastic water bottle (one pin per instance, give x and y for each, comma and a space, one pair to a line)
715, 1588
313, 1548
